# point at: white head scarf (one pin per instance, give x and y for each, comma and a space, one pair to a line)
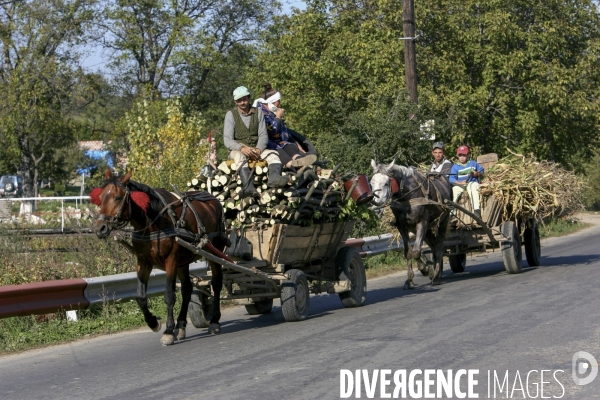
272, 99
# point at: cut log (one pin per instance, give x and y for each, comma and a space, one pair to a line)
224, 168
223, 179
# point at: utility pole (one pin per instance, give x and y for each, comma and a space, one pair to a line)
410, 56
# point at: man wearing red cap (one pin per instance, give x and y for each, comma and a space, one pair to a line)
465, 176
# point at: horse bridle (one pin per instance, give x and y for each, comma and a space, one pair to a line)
389, 200
114, 221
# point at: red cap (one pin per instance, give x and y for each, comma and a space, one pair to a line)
462, 150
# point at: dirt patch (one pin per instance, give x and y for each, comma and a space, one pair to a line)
591, 217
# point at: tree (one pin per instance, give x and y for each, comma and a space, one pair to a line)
162, 44
36, 78
516, 74
339, 66
97, 108
165, 145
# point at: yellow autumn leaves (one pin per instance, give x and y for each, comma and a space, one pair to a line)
166, 145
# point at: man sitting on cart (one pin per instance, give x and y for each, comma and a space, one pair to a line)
245, 136
440, 163
465, 175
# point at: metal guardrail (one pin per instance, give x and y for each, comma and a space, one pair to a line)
42, 297
79, 294
374, 245
124, 286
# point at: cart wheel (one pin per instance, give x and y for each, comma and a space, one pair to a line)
511, 249
199, 311
427, 260
260, 307
295, 297
533, 249
458, 262
350, 265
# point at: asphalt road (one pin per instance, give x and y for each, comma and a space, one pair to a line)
483, 319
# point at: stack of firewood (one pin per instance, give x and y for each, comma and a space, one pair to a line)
312, 195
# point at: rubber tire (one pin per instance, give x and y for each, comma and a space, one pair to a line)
199, 311
259, 307
533, 248
512, 253
351, 266
458, 262
427, 260
9, 187
295, 296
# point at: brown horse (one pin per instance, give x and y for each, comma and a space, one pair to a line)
157, 217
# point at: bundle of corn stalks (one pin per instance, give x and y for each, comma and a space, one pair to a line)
529, 188
313, 195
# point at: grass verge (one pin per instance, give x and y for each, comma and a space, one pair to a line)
103, 258
562, 227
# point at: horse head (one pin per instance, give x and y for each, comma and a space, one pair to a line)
382, 182
115, 200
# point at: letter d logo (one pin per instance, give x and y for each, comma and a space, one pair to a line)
581, 368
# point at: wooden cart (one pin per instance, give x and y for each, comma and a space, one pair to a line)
468, 233
287, 262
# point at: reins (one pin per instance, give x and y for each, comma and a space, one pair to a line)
425, 200
116, 223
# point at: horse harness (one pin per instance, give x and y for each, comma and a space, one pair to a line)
416, 201
115, 220
178, 230
419, 201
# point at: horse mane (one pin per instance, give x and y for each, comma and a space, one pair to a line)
155, 202
402, 170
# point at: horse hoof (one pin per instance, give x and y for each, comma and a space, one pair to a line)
158, 326
167, 340
214, 329
181, 334
408, 286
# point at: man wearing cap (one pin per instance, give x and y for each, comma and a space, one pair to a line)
464, 175
245, 135
440, 162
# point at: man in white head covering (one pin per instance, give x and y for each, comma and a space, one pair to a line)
245, 135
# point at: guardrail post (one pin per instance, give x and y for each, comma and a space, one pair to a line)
62, 216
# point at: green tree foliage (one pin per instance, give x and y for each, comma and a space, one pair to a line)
503, 74
339, 66
383, 134
98, 107
210, 89
518, 74
36, 78
591, 193
172, 46
165, 145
